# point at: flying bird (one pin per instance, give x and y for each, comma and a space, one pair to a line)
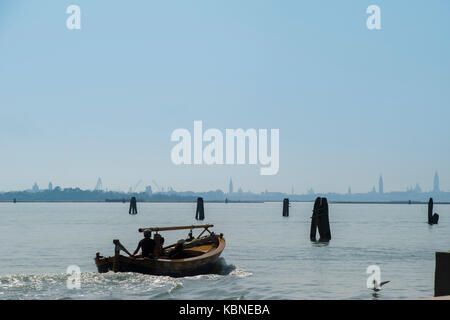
377, 287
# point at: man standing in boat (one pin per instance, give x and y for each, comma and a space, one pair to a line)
147, 245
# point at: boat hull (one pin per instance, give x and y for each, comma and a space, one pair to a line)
202, 264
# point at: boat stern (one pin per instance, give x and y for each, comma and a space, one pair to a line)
102, 263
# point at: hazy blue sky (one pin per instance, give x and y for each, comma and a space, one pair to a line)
103, 101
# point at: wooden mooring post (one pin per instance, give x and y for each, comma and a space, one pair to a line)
200, 212
285, 207
432, 218
320, 220
133, 206
442, 274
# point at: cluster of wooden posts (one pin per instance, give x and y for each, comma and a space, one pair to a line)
432, 218
319, 219
133, 206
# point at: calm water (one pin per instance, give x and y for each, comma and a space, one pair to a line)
267, 256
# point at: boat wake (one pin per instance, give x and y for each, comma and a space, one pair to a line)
92, 286
222, 268
225, 269
110, 285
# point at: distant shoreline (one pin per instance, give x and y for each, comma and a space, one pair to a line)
219, 201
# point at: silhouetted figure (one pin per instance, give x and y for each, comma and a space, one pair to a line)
200, 212
147, 245
319, 220
432, 218
286, 207
177, 250
159, 241
14, 201
133, 206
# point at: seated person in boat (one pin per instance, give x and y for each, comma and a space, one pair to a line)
177, 250
147, 245
161, 246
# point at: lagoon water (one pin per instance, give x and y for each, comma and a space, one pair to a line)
267, 256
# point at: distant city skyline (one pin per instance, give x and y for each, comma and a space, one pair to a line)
149, 189
409, 196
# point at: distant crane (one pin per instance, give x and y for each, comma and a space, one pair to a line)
133, 189
137, 185
159, 189
99, 185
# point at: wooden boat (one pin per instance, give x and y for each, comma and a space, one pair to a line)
187, 257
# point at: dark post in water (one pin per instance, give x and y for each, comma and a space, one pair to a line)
442, 274
286, 207
319, 220
200, 213
432, 218
133, 206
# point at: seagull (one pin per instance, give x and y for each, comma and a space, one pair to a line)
376, 286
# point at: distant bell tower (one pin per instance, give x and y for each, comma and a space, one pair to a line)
380, 185
436, 183
230, 189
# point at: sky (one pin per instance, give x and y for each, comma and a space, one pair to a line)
350, 103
